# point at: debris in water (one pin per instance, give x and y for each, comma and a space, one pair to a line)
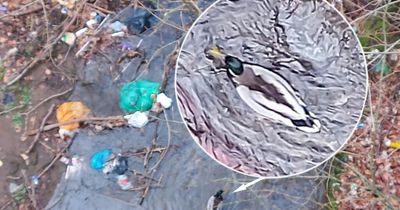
392, 144
81, 31
216, 201
360, 125
1, 163
137, 119
382, 68
25, 157
92, 23
65, 160
138, 95
71, 111
164, 100
100, 158
118, 26
68, 38
118, 34
8, 98
3, 9
124, 182
138, 20
35, 180
118, 165
70, 4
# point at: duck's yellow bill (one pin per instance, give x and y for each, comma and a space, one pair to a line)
216, 52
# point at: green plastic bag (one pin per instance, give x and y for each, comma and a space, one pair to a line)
138, 95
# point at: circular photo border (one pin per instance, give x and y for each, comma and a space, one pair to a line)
353, 33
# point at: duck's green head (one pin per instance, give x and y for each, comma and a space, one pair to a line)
234, 65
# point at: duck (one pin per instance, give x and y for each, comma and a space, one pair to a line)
216, 201
265, 91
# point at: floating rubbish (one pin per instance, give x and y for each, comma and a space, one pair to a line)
1, 163
80, 32
118, 34
25, 157
118, 165
100, 158
382, 68
35, 180
67, 3
18, 192
138, 95
138, 20
124, 182
68, 38
70, 111
216, 201
8, 98
392, 144
64, 10
3, 9
137, 119
74, 167
65, 160
164, 100
360, 125
118, 26
91, 23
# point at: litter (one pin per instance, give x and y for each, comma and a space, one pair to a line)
392, 144
139, 20
65, 160
118, 26
68, 38
138, 95
118, 34
124, 182
164, 100
91, 23
360, 125
70, 111
100, 158
1, 163
137, 119
67, 3
35, 180
118, 165
64, 10
3, 9
382, 67
74, 167
80, 32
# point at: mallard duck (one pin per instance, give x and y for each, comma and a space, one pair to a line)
266, 92
215, 201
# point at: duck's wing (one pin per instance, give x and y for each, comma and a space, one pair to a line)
270, 91
265, 107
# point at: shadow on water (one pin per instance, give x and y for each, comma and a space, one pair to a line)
189, 176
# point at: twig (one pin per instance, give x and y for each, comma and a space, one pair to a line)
56, 125
48, 99
146, 191
58, 156
5, 205
12, 109
166, 148
40, 130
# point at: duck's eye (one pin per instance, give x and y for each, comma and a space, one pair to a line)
234, 64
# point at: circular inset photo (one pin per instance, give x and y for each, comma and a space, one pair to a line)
271, 88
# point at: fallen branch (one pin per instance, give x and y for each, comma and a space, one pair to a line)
40, 130
88, 119
58, 156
